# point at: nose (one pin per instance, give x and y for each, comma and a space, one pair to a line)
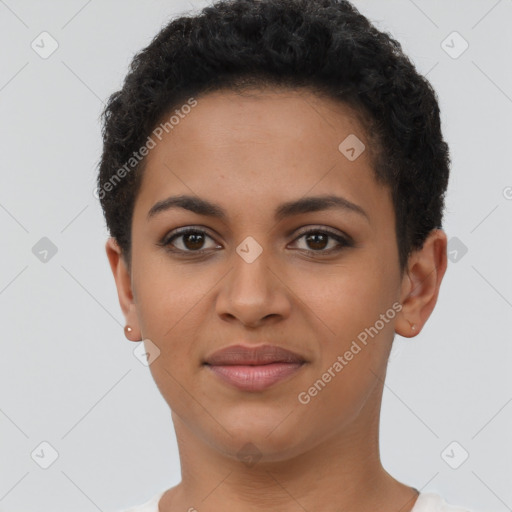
253, 293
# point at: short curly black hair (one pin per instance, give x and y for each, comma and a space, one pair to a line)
324, 45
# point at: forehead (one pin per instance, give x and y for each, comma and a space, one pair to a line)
259, 147
254, 116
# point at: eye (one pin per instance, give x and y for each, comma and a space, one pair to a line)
192, 240
318, 239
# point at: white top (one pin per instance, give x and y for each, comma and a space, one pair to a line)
426, 502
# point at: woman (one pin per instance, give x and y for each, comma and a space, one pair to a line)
273, 180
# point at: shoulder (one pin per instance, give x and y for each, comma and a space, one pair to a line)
431, 502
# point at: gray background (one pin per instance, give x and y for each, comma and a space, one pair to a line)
68, 376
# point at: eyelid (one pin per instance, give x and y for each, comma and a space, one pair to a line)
184, 230
324, 229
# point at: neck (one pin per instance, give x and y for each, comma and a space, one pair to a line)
338, 472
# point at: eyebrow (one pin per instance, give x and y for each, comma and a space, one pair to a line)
304, 205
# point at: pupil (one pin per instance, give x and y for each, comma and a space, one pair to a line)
316, 236
196, 240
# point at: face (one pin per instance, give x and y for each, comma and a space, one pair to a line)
318, 278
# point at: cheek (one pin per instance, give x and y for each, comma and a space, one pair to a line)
348, 296
353, 313
171, 312
169, 300
353, 340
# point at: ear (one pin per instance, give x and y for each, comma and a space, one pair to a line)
421, 283
124, 288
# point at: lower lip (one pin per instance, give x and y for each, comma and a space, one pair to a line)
257, 377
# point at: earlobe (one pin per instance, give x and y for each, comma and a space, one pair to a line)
128, 332
403, 324
421, 284
124, 289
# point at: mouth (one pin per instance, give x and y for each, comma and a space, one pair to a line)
254, 368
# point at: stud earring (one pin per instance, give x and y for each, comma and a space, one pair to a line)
128, 330
413, 327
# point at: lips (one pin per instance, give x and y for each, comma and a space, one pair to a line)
254, 368
261, 355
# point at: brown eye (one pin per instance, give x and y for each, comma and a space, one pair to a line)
191, 240
317, 241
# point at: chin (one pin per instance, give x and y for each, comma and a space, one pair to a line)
266, 435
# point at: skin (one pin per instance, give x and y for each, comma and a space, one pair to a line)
249, 153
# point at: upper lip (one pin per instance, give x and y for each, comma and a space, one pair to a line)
245, 355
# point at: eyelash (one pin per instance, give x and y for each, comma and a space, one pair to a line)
167, 241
